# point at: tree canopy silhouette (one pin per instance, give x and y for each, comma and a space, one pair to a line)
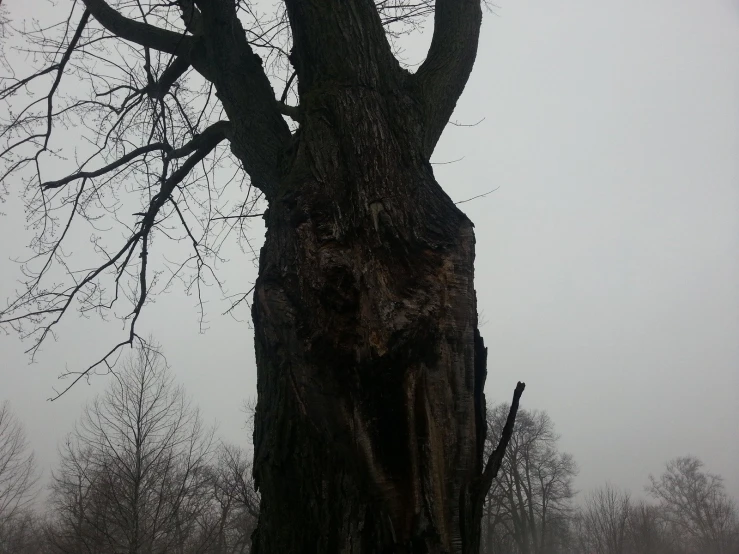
159, 123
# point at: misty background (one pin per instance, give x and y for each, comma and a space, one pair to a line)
607, 256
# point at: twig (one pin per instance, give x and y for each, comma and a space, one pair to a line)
478, 196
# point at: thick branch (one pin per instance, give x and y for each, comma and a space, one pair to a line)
136, 31
293, 112
169, 76
205, 140
153, 147
260, 134
442, 77
191, 16
496, 458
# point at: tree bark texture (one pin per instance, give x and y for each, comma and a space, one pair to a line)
370, 413
365, 318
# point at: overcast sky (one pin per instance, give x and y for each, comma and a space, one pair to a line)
607, 257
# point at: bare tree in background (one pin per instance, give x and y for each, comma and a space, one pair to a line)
227, 526
234, 508
26, 535
18, 478
696, 506
78, 521
159, 121
134, 473
648, 531
603, 526
530, 504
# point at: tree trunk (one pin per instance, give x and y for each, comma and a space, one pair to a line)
370, 418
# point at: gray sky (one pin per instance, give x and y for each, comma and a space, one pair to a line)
607, 261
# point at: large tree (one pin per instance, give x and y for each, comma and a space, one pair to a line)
604, 521
648, 531
370, 422
227, 526
529, 506
18, 478
696, 507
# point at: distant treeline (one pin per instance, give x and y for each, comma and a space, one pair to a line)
142, 473
531, 509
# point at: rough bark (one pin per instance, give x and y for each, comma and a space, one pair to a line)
365, 316
370, 423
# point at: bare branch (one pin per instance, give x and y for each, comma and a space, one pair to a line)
483, 195
217, 131
56, 303
496, 457
154, 147
205, 140
292, 112
140, 33
60, 72
174, 71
